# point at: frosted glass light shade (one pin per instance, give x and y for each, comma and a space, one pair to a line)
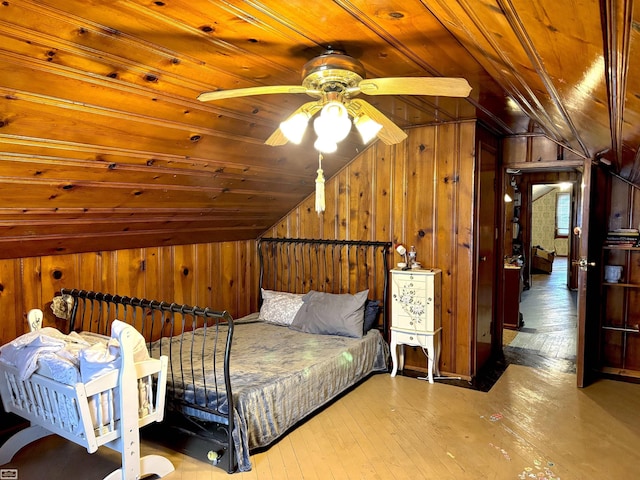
294, 127
325, 145
367, 127
333, 122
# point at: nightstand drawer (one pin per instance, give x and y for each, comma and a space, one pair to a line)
405, 287
409, 338
403, 320
406, 282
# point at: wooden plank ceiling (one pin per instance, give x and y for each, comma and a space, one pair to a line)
104, 145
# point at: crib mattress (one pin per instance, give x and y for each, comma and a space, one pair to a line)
278, 375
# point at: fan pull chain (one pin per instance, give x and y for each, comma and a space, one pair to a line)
320, 187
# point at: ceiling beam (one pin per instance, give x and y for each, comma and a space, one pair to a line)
617, 22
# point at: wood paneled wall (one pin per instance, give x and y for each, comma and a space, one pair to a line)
625, 205
420, 193
219, 275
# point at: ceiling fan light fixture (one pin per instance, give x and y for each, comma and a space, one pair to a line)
333, 122
294, 127
367, 127
325, 145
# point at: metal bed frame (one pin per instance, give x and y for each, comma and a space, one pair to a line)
294, 265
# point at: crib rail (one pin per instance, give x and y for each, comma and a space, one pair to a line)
87, 414
170, 329
62, 409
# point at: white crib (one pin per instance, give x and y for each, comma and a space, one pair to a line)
101, 412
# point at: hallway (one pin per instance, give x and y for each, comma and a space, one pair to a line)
549, 335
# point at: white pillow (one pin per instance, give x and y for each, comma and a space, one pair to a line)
280, 307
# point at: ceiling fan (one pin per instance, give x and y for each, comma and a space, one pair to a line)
334, 79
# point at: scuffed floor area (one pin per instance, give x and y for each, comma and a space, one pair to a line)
533, 423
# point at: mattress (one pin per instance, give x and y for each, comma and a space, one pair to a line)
278, 376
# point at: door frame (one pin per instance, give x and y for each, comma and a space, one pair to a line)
592, 209
587, 280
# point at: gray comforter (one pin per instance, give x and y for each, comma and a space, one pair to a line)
278, 376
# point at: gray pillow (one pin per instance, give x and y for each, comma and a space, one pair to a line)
331, 314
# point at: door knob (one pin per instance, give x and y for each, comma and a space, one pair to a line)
583, 264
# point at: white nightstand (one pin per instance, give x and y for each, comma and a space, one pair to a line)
415, 315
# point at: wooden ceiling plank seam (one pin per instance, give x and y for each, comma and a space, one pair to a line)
164, 181
122, 86
281, 20
231, 48
70, 18
530, 110
73, 183
617, 21
126, 211
119, 233
512, 91
106, 150
384, 35
534, 57
119, 62
137, 41
499, 126
388, 38
131, 66
58, 102
244, 118
500, 73
109, 166
506, 83
122, 221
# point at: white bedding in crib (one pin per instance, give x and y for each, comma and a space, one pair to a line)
75, 358
68, 359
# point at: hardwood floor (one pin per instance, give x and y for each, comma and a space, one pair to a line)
532, 422
550, 318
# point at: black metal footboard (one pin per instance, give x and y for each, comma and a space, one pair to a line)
195, 340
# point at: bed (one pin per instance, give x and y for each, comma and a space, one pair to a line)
237, 385
93, 409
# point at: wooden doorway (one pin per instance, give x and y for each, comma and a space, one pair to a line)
574, 172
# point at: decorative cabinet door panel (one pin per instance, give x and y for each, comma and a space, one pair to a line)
415, 299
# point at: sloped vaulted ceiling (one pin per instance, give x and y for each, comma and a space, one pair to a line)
102, 138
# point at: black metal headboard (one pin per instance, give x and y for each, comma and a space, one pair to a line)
298, 265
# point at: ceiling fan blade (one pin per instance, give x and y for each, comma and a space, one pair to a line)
434, 86
245, 92
277, 138
390, 133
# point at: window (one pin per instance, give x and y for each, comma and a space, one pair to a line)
563, 214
